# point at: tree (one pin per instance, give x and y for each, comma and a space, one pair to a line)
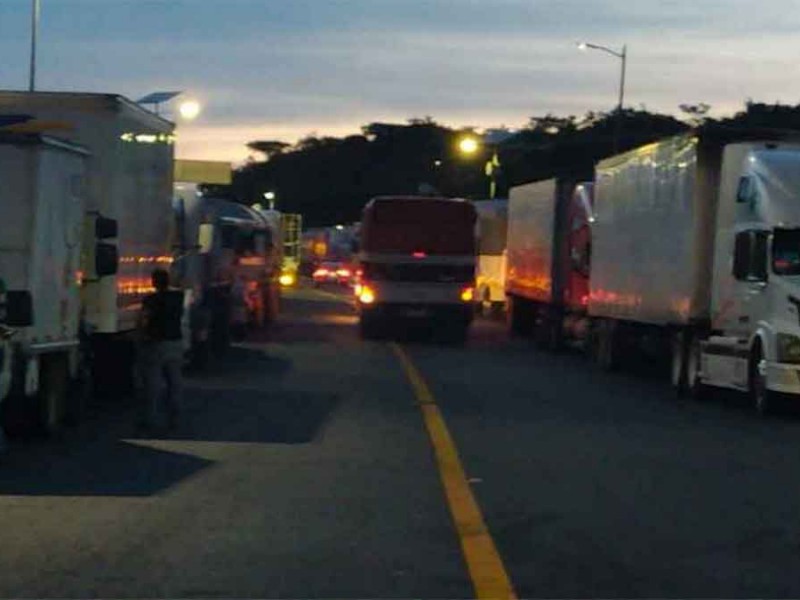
268, 148
696, 113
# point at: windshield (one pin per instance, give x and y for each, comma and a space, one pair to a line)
786, 252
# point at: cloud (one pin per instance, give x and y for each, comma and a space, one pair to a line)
278, 69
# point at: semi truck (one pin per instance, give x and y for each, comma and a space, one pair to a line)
490, 273
696, 243
548, 259
417, 263
84, 220
228, 261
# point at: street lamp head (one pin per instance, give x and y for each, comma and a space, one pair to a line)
189, 109
582, 46
468, 145
269, 195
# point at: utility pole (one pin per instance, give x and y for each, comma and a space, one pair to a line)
35, 10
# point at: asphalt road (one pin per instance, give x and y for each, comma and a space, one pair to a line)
308, 465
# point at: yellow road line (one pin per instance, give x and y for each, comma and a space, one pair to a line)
485, 566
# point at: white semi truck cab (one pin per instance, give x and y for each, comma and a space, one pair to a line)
754, 344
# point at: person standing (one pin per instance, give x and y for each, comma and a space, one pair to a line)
161, 351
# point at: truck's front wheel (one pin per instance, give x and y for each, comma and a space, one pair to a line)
762, 398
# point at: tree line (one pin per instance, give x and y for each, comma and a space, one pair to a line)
328, 180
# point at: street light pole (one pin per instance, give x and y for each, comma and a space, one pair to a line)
35, 10
623, 57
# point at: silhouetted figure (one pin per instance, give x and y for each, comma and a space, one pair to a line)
161, 351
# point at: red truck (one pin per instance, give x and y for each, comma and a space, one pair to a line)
548, 258
417, 264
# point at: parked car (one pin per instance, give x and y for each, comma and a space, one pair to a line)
333, 272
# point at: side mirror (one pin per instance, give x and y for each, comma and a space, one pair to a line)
106, 259
205, 238
19, 309
105, 228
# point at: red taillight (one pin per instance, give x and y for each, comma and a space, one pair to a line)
343, 273
320, 272
585, 300
419, 254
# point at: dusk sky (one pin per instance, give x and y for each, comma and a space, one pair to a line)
272, 69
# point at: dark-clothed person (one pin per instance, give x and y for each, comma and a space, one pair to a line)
161, 351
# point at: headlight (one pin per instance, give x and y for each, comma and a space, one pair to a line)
788, 348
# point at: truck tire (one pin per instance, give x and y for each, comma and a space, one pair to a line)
605, 345
762, 399
697, 389
680, 345
52, 396
686, 359
548, 331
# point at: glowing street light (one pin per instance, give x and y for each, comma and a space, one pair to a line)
270, 198
468, 145
623, 56
189, 109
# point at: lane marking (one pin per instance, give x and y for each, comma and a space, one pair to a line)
486, 569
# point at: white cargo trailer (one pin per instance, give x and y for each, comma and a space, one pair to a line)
696, 241
44, 246
127, 197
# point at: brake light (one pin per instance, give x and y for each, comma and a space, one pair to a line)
468, 294
343, 273
320, 272
419, 254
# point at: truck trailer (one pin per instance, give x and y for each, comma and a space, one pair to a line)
229, 263
696, 247
417, 264
548, 259
49, 250
121, 198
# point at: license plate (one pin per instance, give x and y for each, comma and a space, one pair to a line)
417, 313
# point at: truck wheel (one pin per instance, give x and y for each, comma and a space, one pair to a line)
605, 351
680, 363
697, 389
548, 331
763, 399
52, 398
